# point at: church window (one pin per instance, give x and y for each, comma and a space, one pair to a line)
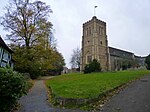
89, 59
86, 32
88, 42
89, 30
102, 32
99, 30
101, 42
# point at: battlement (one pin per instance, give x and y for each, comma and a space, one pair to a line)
94, 18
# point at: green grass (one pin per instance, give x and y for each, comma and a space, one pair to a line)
79, 85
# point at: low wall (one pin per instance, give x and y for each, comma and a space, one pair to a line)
70, 101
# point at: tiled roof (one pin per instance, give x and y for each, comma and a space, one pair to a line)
2, 44
120, 53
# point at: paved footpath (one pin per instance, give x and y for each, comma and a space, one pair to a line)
36, 100
134, 98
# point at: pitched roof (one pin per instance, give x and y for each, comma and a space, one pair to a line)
120, 53
3, 44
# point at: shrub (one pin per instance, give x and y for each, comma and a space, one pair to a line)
12, 87
93, 66
147, 61
87, 69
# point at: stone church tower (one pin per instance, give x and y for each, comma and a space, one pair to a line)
95, 44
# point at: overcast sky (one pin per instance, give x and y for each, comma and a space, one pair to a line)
128, 23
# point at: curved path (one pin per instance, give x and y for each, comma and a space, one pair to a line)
134, 98
36, 100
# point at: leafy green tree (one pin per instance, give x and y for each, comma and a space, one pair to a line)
147, 61
37, 60
27, 61
31, 37
58, 63
93, 66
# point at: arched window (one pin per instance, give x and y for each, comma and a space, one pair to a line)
90, 30
89, 59
101, 42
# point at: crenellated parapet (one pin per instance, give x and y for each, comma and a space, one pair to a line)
94, 18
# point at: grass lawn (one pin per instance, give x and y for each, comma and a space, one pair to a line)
79, 85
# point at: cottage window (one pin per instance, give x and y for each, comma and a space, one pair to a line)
0, 51
5, 56
3, 64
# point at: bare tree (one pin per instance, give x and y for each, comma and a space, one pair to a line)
75, 58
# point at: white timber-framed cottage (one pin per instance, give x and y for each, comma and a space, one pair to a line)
5, 55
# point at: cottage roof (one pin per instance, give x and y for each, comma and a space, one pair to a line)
3, 45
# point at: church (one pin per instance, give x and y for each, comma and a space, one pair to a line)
95, 46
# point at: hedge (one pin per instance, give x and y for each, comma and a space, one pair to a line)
12, 87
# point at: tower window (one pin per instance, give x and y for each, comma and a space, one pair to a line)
99, 30
89, 30
89, 59
103, 31
101, 42
86, 32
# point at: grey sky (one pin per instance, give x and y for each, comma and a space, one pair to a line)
128, 23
